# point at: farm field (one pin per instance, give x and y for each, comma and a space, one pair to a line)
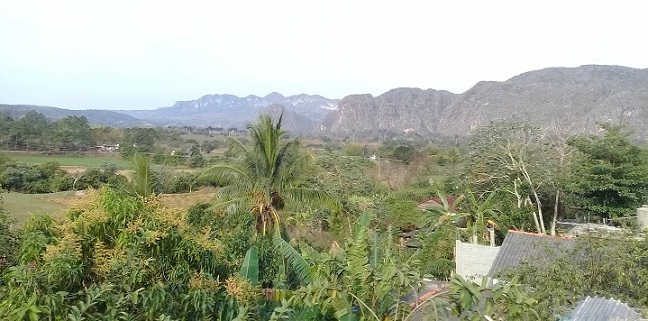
22, 206
80, 161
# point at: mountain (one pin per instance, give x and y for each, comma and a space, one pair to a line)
402, 110
581, 96
95, 117
232, 111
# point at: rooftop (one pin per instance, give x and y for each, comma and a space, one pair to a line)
520, 247
602, 309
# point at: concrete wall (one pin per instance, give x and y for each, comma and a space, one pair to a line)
473, 260
642, 217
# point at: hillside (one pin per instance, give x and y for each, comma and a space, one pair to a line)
232, 111
95, 117
582, 96
401, 110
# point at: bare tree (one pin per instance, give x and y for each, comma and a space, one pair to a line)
510, 155
557, 136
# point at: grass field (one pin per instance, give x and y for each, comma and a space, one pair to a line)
81, 161
21, 206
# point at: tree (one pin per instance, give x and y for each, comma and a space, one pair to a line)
610, 175
143, 182
7, 130
31, 129
558, 136
73, 132
265, 176
138, 140
599, 264
118, 257
511, 156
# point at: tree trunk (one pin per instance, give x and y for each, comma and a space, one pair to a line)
540, 216
555, 213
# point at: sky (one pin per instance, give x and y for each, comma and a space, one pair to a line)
119, 54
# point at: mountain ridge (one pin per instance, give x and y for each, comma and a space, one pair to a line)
581, 96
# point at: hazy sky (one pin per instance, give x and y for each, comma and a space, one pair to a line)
147, 54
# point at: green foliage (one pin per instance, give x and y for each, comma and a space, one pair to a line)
250, 267
73, 133
118, 257
353, 150
138, 140
266, 176
437, 251
8, 240
211, 145
404, 153
363, 280
476, 302
182, 182
343, 176
512, 158
610, 175
34, 132
33, 179
605, 266
143, 182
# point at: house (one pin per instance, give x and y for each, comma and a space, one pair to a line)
523, 247
436, 202
473, 261
602, 309
423, 300
107, 148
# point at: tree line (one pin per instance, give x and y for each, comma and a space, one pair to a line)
295, 236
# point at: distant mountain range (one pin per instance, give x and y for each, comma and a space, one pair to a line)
581, 96
232, 111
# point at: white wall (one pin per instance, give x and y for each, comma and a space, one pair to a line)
473, 260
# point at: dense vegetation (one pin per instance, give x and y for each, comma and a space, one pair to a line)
301, 231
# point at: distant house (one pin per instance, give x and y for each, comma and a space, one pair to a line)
436, 202
601, 309
107, 148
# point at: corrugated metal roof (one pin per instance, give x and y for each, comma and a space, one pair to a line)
601, 309
519, 247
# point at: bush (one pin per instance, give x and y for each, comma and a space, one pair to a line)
181, 183
8, 241
195, 161
35, 178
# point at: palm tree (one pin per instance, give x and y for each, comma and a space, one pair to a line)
265, 176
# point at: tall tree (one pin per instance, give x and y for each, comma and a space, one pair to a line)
610, 174
31, 129
560, 152
511, 156
265, 176
73, 132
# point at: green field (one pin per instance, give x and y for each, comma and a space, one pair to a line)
81, 161
21, 206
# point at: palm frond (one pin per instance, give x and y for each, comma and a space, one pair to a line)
143, 181
225, 174
311, 197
